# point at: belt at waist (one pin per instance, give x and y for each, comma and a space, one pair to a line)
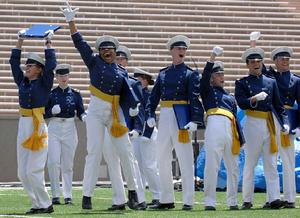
61, 119
170, 103
287, 106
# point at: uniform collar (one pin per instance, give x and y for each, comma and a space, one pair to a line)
68, 89
254, 76
177, 66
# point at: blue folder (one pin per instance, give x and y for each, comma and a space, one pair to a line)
293, 118
182, 114
39, 30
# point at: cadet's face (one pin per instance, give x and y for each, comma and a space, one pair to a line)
32, 71
178, 54
282, 64
122, 61
144, 82
217, 79
254, 66
62, 79
108, 54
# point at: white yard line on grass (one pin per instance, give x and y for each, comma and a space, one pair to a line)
20, 216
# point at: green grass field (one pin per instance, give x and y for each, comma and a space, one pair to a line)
14, 202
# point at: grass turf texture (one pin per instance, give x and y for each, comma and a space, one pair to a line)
14, 203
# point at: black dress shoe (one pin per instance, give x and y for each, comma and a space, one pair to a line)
68, 201
141, 206
32, 211
209, 208
187, 207
132, 199
276, 204
116, 207
266, 205
235, 207
46, 210
55, 201
289, 205
153, 202
86, 203
247, 206
162, 206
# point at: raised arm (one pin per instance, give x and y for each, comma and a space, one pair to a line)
15, 61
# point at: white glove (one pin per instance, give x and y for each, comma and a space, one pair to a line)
260, 96
254, 36
133, 134
56, 109
217, 50
191, 126
50, 34
286, 129
83, 117
69, 13
21, 32
296, 132
135, 111
151, 122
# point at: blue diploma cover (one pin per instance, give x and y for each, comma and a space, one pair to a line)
182, 114
39, 30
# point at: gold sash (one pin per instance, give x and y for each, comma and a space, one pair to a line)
183, 134
35, 142
117, 129
236, 145
271, 126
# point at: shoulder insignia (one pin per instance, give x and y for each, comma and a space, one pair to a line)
75, 90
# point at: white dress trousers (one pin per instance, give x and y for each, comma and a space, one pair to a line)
257, 138
31, 165
218, 144
168, 140
99, 118
63, 141
115, 158
287, 155
146, 155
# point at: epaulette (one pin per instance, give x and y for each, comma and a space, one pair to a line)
242, 79
75, 90
295, 75
133, 78
122, 68
163, 69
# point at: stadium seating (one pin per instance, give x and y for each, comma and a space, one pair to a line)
145, 26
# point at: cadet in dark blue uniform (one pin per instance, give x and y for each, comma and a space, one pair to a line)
289, 90
64, 103
112, 155
221, 111
109, 86
32, 143
259, 96
176, 84
145, 147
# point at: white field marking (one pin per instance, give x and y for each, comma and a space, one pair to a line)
20, 216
